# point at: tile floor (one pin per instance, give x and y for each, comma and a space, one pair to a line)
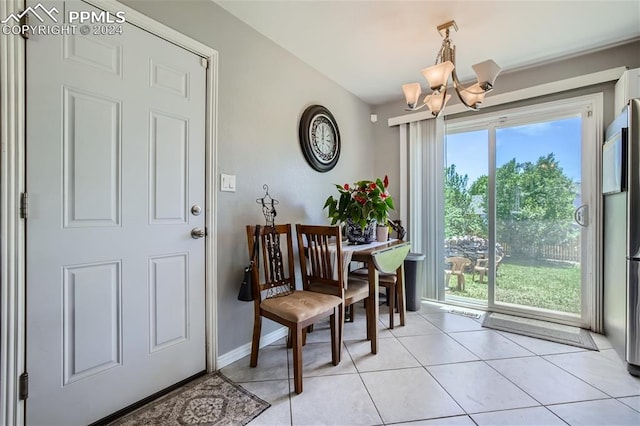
442, 369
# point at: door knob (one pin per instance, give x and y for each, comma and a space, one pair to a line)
198, 233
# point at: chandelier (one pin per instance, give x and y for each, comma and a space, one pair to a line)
438, 75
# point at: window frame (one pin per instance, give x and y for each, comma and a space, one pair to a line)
590, 108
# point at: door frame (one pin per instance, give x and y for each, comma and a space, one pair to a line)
12, 185
592, 131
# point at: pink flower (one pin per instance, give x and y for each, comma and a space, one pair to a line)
346, 186
386, 181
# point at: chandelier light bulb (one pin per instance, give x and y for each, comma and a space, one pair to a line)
436, 102
438, 75
412, 94
473, 96
486, 72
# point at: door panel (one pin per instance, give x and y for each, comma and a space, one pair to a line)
168, 160
168, 300
92, 307
91, 163
115, 282
538, 188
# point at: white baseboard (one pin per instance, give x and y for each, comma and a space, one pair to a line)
244, 350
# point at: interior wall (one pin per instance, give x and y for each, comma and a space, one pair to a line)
262, 92
386, 152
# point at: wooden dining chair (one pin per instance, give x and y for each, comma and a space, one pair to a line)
389, 281
322, 268
276, 298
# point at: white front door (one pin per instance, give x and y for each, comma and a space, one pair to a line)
115, 161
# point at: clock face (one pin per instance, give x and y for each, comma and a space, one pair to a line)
323, 139
319, 138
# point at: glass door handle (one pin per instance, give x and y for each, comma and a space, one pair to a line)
581, 215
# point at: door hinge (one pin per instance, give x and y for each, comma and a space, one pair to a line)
204, 62
24, 386
24, 24
24, 205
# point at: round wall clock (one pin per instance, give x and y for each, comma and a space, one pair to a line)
319, 138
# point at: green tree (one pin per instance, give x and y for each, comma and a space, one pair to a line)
459, 215
479, 186
534, 203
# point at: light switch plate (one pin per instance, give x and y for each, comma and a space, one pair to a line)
227, 183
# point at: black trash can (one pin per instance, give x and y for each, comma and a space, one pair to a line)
413, 273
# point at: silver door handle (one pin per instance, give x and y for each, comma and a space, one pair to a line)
581, 215
198, 233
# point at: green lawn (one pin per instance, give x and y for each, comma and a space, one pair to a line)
539, 283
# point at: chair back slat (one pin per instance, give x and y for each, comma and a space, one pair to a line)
320, 253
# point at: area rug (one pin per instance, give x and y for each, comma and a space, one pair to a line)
558, 333
209, 400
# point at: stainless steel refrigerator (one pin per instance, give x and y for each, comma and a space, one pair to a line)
633, 238
621, 180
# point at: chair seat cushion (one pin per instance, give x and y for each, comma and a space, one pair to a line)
363, 274
300, 305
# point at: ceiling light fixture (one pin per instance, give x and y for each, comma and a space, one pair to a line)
438, 76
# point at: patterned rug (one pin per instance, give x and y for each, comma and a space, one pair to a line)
558, 333
209, 400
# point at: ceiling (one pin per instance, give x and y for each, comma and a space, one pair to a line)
372, 47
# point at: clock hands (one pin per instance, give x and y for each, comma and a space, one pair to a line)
324, 140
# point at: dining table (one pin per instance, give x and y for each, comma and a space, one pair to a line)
385, 257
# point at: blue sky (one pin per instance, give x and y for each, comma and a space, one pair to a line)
469, 151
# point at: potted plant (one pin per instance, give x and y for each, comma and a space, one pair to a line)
361, 206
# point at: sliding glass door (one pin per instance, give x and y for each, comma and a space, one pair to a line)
517, 220
538, 179
466, 219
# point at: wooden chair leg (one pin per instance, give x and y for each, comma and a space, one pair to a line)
391, 298
369, 305
402, 309
297, 358
335, 328
289, 340
341, 309
351, 311
255, 341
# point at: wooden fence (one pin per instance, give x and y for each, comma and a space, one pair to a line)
570, 253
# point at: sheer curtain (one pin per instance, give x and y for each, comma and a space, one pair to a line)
422, 198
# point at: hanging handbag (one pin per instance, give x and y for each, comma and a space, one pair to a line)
246, 287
